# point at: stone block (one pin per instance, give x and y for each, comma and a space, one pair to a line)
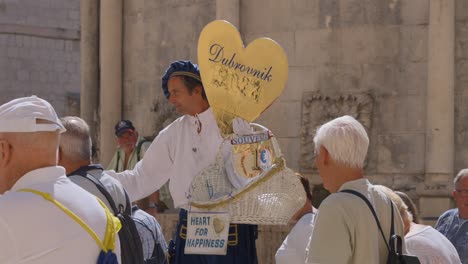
300, 79
402, 114
380, 78
382, 12
358, 47
401, 153
12, 52
350, 76
461, 40
283, 119
406, 181
352, 13
415, 12
290, 149
385, 44
314, 47
432, 189
306, 14
412, 78
461, 10
461, 75
327, 81
273, 17
329, 14
413, 43
432, 207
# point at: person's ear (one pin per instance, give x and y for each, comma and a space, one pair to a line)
198, 90
323, 157
5, 153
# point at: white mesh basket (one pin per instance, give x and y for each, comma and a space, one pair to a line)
272, 197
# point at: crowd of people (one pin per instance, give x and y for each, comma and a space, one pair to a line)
58, 206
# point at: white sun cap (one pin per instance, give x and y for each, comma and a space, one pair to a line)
22, 115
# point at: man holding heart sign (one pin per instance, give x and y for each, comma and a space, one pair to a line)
178, 154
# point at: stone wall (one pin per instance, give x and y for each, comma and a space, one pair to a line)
155, 34
367, 57
461, 85
39, 52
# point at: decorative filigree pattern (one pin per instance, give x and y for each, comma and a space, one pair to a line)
318, 109
229, 80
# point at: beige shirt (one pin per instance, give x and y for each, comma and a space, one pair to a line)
345, 229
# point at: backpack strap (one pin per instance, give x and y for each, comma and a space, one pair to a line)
358, 194
101, 188
112, 228
138, 148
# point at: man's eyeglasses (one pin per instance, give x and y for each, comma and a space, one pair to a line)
462, 192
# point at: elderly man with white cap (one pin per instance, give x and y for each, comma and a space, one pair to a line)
44, 217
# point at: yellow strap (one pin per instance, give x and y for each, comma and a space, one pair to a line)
113, 223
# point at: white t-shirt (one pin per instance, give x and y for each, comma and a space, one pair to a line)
35, 231
430, 246
293, 249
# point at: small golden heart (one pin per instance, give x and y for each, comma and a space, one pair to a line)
239, 82
218, 225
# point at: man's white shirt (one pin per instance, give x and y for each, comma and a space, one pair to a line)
34, 230
178, 154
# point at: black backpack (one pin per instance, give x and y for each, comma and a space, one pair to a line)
130, 244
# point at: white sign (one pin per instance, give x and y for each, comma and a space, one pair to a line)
207, 233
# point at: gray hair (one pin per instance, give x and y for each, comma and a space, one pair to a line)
460, 175
76, 142
345, 139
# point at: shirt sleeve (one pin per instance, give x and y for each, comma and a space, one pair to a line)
331, 238
293, 249
151, 172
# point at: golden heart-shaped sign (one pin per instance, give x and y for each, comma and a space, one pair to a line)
239, 82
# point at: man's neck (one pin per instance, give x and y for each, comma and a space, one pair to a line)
463, 216
202, 107
346, 174
75, 166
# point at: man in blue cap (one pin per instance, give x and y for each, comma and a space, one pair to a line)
178, 154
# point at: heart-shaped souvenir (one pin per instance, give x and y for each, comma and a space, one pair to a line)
239, 82
218, 225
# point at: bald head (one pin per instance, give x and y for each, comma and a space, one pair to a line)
21, 153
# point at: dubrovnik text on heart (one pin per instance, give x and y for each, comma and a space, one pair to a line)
217, 56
